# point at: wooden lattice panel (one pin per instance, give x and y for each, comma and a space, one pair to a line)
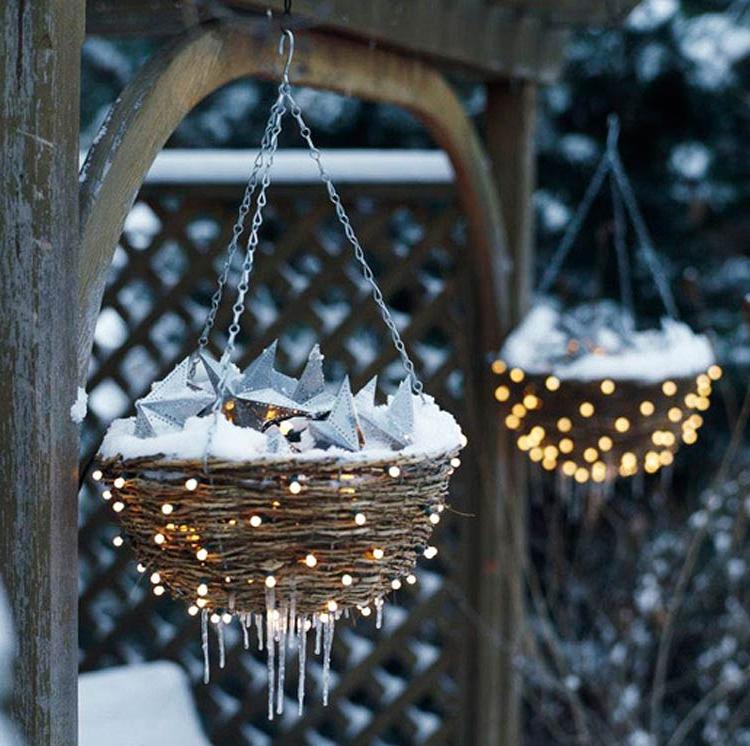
399, 685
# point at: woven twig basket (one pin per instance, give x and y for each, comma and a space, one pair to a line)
216, 539
598, 430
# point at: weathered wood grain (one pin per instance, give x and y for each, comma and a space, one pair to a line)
40, 73
182, 74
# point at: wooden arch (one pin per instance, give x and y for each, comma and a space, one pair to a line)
203, 60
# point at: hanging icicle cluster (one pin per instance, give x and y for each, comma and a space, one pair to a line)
263, 499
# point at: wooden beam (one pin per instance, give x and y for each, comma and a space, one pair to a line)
181, 75
40, 74
508, 39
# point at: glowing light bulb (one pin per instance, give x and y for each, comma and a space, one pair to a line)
155, 578
118, 541
564, 425
201, 555
285, 428
160, 538
586, 409
674, 414
395, 584
523, 443
516, 375
512, 422
201, 603
569, 468
394, 471
690, 437
158, 590
270, 581
647, 408
430, 552
360, 519
193, 610
530, 401
599, 471
106, 495
519, 411
140, 567
167, 509
378, 553
97, 475
566, 445
434, 519
255, 521
365, 611
215, 618
411, 578
629, 459
191, 484
669, 388
202, 589
622, 424
463, 440
607, 386
311, 560
455, 462
581, 475
498, 367
552, 383
118, 506
715, 372
346, 579
502, 393
295, 487
119, 483
591, 455
536, 454
605, 443
550, 452
332, 606
226, 617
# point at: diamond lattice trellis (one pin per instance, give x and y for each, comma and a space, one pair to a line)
399, 685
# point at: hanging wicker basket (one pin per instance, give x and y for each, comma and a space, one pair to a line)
257, 497
324, 534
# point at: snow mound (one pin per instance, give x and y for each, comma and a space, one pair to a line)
599, 340
435, 432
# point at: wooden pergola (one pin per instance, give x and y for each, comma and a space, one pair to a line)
57, 243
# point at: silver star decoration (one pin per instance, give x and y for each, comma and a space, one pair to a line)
365, 397
395, 423
311, 383
262, 395
170, 402
341, 427
276, 442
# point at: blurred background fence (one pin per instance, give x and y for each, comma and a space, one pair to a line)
408, 682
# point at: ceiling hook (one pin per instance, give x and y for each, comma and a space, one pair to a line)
286, 33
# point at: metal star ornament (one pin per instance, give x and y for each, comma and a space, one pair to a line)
311, 383
341, 427
170, 403
394, 423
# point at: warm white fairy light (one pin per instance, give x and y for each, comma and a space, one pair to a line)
286, 427
622, 424
669, 388
201, 555
586, 409
202, 590
160, 538
394, 471
167, 509
270, 581
193, 610
226, 617
502, 393
434, 519
140, 567
97, 475
498, 367
191, 484
395, 584
119, 483
332, 606
324, 618
106, 495
215, 618
411, 578
517, 375
255, 521
430, 552
158, 590
365, 611
311, 560
463, 440
378, 553
552, 383
607, 386
455, 462
295, 487
360, 519
346, 579
118, 506
118, 541
155, 578
201, 603
715, 372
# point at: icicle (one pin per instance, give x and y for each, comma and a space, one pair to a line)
282, 662
302, 652
245, 621
327, 645
259, 628
318, 630
222, 652
270, 648
204, 645
379, 613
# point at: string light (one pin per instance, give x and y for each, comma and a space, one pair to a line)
158, 590
97, 475
411, 578
193, 610
674, 414
566, 445
295, 487
530, 401
378, 553
332, 606
552, 383
270, 581
622, 424
715, 372
502, 393
590, 455
155, 578
586, 409
516, 375
581, 475
430, 552
106, 495
512, 422
202, 555
346, 579
434, 519
118, 506
226, 617
647, 408
160, 539
360, 519
191, 484
519, 410
119, 483
569, 468
395, 584
255, 521
564, 425
118, 541
394, 471
167, 509
605, 443
311, 560
455, 462
607, 386
498, 367
140, 567
365, 611
669, 388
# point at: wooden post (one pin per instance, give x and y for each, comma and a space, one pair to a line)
40, 74
510, 132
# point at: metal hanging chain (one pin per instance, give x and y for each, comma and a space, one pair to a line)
239, 226
367, 273
621, 250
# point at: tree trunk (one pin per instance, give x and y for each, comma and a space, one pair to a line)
40, 75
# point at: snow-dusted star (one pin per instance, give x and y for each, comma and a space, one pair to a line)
341, 427
209, 371
311, 388
170, 402
395, 423
262, 395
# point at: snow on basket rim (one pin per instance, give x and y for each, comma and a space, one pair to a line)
436, 432
538, 345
